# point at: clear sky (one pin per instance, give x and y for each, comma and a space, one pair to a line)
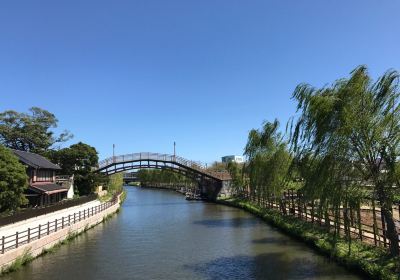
143, 74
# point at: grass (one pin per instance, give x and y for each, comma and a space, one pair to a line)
106, 197
369, 260
18, 263
123, 196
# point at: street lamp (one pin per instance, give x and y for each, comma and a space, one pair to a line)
174, 149
113, 152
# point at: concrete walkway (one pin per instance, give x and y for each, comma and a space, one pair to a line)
43, 219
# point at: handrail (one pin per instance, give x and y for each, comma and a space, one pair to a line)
13, 241
147, 156
28, 213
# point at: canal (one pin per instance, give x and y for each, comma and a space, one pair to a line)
160, 235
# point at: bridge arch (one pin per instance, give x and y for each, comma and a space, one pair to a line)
210, 183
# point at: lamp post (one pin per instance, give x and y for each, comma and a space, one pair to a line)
113, 152
174, 150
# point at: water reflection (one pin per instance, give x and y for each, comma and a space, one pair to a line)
159, 235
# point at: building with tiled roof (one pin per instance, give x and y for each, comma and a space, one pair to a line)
43, 188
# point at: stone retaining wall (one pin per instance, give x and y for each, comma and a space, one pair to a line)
37, 247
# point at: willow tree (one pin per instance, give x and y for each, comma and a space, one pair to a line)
268, 161
236, 171
353, 128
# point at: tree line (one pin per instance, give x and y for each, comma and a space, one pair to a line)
340, 150
34, 132
155, 177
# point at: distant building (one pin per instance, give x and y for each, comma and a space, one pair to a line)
43, 188
237, 159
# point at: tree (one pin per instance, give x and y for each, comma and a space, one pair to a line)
352, 131
236, 172
30, 132
162, 176
79, 159
13, 181
268, 162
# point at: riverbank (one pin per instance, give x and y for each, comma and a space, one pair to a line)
14, 259
360, 257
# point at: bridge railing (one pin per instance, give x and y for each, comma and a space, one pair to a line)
160, 157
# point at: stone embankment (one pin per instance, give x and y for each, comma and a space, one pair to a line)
36, 240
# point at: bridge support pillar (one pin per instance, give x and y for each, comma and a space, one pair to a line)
209, 188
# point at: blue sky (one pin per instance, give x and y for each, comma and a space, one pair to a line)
143, 74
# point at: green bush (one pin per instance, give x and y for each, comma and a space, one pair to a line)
13, 181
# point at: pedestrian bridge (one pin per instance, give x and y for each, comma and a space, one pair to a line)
210, 182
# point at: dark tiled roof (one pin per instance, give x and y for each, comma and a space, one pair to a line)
44, 188
35, 160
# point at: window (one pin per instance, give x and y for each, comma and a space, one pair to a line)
44, 176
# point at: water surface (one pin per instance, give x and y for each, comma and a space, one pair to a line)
160, 235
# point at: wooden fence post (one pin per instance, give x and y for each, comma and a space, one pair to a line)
383, 229
39, 231
312, 211
374, 221
3, 239
16, 240
293, 206
48, 228
298, 204
55, 227
29, 235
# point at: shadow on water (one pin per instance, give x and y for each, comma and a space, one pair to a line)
230, 223
156, 204
267, 266
274, 240
233, 210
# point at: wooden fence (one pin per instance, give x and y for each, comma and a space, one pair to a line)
367, 223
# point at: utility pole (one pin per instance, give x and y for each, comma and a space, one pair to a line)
113, 152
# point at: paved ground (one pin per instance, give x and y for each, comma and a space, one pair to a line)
34, 222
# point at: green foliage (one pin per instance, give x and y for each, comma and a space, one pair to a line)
268, 162
30, 132
236, 172
19, 262
123, 197
115, 183
13, 181
79, 159
348, 135
372, 261
157, 176
217, 167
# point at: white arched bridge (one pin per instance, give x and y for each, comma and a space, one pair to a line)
209, 182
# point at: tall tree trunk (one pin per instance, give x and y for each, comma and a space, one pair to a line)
387, 212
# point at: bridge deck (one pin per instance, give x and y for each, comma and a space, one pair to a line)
156, 157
